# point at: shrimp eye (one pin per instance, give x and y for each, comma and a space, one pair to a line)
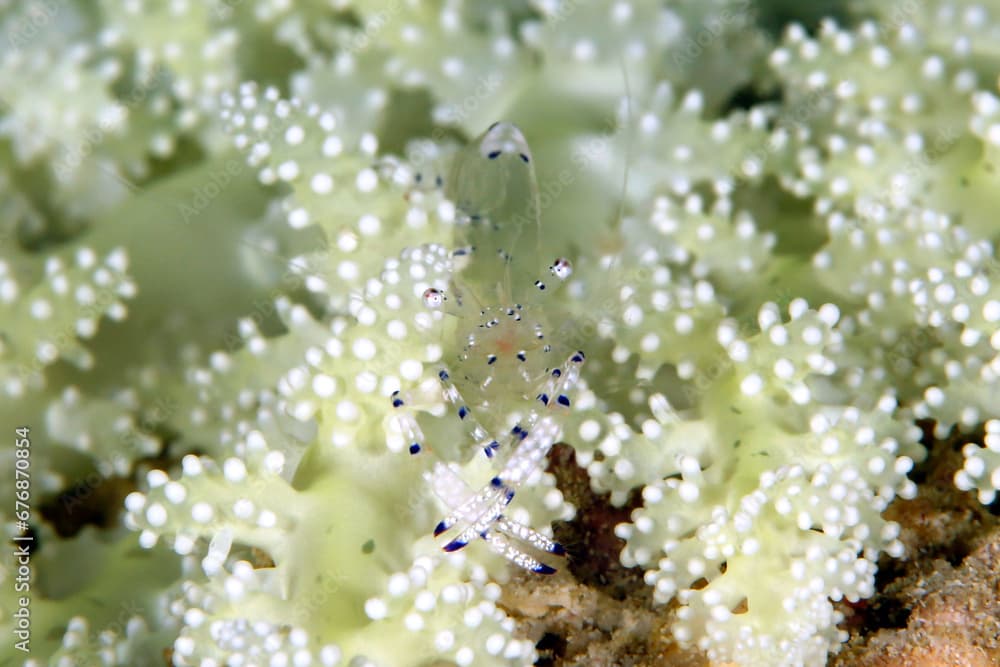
561, 268
433, 298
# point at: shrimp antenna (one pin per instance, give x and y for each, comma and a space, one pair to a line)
535, 204
629, 139
629, 136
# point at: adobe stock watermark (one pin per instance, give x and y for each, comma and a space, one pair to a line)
133, 442
372, 25
128, 612
596, 148
23, 541
457, 113
103, 303
715, 27
875, 207
263, 309
37, 16
798, 114
428, 156
900, 14
207, 191
316, 598
557, 11
112, 120
221, 177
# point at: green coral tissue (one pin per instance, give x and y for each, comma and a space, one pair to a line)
277, 298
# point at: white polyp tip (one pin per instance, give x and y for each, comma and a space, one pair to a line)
376, 609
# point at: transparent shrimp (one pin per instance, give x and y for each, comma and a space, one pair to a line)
509, 367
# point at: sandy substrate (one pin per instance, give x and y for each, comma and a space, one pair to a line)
939, 606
